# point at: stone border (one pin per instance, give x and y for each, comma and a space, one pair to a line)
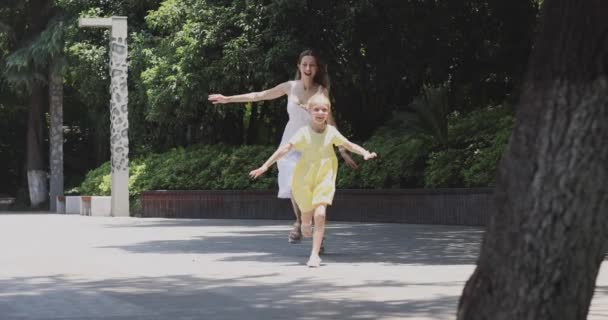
6, 202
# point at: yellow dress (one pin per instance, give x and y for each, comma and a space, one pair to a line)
314, 177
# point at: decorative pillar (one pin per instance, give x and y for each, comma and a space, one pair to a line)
119, 140
56, 134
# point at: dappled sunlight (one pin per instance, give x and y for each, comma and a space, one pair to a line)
157, 269
181, 297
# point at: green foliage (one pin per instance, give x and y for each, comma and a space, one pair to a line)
444, 168
405, 160
400, 162
12, 149
476, 142
482, 169
96, 182
30, 63
203, 167
462, 56
192, 48
428, 114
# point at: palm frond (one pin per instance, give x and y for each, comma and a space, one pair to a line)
428, 113
30, 63
7, 30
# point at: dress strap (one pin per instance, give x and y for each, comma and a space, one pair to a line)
293, 84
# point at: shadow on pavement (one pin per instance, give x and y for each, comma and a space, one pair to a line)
266, 240
187, 297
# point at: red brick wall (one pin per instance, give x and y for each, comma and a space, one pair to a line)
419, 206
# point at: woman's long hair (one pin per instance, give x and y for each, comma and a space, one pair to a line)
321, 77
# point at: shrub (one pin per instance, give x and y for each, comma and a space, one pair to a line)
475, 145
406, 159
199, 167
400, 162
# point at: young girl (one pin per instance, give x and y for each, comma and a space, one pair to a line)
314, 177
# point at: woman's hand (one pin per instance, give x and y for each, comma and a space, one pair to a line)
369, 155
217, 98
348, 160
258, 172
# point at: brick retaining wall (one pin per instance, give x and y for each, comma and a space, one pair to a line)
466, 206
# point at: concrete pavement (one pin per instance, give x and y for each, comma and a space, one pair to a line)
74, 267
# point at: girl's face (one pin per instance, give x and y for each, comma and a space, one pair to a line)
319, 113
308, 67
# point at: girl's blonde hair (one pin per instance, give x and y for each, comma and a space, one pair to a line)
319, 99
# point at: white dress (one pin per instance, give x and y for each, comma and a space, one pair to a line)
298, 117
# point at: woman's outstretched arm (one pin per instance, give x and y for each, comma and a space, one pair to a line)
269, 94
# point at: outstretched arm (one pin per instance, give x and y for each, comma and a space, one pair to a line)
353, 147
269, 94
281, 151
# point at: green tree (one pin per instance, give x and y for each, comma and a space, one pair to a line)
25, 66
380, 56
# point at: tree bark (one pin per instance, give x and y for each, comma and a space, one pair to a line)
36, 173
38, 15
56, 134
544, 245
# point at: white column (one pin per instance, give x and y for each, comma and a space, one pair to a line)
119, 140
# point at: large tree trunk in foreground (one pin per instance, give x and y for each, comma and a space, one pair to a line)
544, 246
56, 134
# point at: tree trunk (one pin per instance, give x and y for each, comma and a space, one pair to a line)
56, 134
36, 173
544, 245
38, 11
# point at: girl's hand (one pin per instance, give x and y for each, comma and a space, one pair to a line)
348, 160
258, 172
369, 155
217, 98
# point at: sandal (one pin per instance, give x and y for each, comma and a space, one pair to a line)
314, 262
307, 230
295, 235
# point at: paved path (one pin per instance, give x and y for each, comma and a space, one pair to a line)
85, 268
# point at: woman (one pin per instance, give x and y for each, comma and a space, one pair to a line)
311, 77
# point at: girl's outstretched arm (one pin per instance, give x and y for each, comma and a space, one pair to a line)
281, 151
270, 94
353, 147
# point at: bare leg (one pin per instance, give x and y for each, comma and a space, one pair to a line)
295, 235
317, 238
296, 211
307, 224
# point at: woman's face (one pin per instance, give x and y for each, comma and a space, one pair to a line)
308, 67
319, 113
